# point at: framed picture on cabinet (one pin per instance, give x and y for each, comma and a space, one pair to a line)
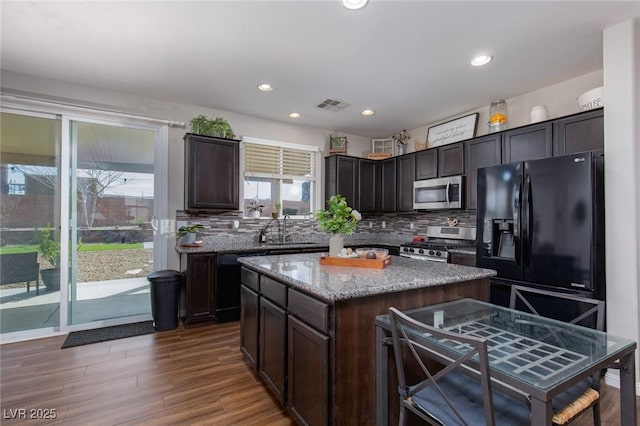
455, 130
337, 144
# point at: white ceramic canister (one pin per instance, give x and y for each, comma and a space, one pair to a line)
539, 113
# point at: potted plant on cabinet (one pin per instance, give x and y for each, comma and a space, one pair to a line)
49, 248
218, 127
188, 233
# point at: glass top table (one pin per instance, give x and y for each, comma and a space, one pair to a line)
539, 357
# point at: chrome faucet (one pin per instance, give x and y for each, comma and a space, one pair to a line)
285, 219
262, 235
282, 229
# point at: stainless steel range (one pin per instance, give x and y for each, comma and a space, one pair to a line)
437, 243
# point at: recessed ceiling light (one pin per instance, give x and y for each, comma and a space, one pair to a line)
354, 4
294, 115
478, 61
265, 87
368, 112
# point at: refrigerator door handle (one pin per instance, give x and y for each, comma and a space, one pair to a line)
516, 218
526, 210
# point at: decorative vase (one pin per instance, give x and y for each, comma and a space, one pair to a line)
255, 213
336, 244
400, 149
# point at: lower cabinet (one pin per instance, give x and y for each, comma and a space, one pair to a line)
199, 289
308, 373
284, 336
273, 347
249, 331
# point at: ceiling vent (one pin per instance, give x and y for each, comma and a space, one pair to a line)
332, 105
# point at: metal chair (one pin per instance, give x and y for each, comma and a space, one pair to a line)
457, 394
587, 392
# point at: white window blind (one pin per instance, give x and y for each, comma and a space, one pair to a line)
271, 161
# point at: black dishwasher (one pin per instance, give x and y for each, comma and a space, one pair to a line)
227, 286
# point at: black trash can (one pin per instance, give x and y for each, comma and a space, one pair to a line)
165, 298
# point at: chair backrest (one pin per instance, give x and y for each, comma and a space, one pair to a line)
18, 267
523, 298
426, 342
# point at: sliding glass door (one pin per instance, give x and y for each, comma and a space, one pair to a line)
112, 204
78, 197
30, 219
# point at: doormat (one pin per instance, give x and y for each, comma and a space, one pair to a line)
86, 337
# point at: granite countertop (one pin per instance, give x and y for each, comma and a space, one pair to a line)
335, 283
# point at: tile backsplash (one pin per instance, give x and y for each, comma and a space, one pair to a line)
403, 226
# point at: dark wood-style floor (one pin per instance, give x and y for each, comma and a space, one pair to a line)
187, 376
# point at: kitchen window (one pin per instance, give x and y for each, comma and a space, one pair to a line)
282, 173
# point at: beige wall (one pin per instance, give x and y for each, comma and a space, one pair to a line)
561, 99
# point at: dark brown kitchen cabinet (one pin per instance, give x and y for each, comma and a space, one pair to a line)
199, 290
211, 173
451, 160
427, 164
480, 152
440, 162
387, 181
462, 259
367, 186
272, 347
527, 143
308, 374
579, 133
406, 175
249, 332
341, 177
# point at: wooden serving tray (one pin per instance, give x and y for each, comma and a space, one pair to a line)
357, 262
193, 244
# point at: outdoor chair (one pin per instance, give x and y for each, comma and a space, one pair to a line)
19, 268
587, 393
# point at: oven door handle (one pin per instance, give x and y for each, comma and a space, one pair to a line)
447, 191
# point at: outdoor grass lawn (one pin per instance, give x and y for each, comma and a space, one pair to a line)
83, 247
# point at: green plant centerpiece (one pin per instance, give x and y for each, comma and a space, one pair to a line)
337, 219
187, 233
218, 127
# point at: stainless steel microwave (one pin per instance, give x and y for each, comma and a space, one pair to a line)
438, 194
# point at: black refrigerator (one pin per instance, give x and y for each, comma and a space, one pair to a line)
541, 223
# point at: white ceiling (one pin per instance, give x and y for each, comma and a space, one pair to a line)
408, 60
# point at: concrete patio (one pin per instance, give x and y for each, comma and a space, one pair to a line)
96, 301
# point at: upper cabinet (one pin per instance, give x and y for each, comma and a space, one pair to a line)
341, 177
527, 143
481, 152
367, 178
578, 133
426, 164
212, 170
387, 184
406, 174
451, 160
444, 161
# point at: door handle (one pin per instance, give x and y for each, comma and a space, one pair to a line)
528, 237
447, 191
516, 218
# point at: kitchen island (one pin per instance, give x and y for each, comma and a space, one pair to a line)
308, 329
